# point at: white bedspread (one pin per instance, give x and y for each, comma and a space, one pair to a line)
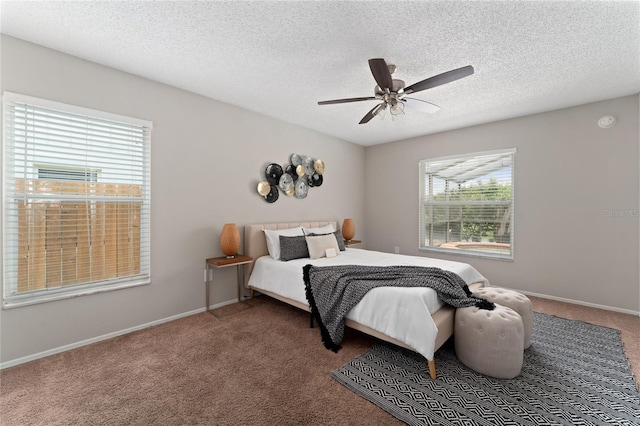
401, 313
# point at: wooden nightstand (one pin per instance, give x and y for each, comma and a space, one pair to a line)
352, 242
223, 262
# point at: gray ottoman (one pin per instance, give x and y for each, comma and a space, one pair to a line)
514, 300
490, 342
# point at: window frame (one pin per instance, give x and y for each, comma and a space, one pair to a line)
11, 296
423, 204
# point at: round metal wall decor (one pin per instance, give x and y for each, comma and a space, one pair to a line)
308, 166
315, 180
291, 170
292, 179
286, 182
273, 173
301, 188
273, 195
264, 188
296, 160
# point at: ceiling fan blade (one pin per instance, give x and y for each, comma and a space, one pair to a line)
381, 73
342, 101
420, 105
444, 78
374, 111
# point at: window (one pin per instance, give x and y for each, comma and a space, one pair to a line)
466, 204
76, 201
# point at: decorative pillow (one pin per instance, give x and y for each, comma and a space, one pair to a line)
273, 239
318, 244
293, 247
326, 229
339, 238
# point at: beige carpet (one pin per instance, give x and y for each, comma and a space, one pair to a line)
255, 366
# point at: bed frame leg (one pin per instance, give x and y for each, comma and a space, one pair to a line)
432, 369
251, 293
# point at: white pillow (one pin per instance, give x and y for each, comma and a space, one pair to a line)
326, 229
318, 245
273, 239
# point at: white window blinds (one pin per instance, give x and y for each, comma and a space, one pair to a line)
76, 200
466, 204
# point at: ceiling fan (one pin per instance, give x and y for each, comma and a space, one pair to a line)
393, 93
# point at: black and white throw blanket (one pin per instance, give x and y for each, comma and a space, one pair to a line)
333, 290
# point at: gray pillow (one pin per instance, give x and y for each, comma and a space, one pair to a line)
293, 248
340, 239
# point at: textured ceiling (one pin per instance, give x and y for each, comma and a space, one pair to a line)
281, 58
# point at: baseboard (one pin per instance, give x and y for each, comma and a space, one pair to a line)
70, 346
579, 302
64, 348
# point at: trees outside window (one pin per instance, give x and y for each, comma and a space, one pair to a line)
466, 204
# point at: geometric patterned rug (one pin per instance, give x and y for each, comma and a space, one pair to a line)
574, 373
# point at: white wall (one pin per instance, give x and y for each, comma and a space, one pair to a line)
207, 158
568, 174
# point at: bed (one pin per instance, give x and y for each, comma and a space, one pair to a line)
413, 318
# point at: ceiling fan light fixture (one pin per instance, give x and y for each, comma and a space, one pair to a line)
392, 91
397, 109
381, 112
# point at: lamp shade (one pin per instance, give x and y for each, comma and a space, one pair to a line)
230, 239
348, 229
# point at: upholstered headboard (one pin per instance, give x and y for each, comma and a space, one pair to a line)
255, 243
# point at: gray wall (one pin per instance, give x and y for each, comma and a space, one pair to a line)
569, 174
207, 158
